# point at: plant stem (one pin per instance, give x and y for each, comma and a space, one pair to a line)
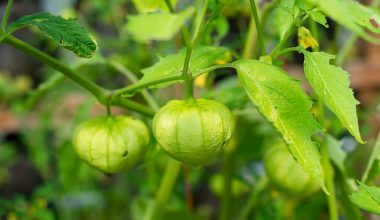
186, 74
285, 38
188, 94
96, 90
134, 87
184, 31
343, 53
128, 104
328, 169
350, 42
252, 199
147, 96
250, 40
5, 18
227, 172
170, 176
258, 27
329, 177
100, 93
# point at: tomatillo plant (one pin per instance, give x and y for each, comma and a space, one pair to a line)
235, 106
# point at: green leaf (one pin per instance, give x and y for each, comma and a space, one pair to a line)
282, 101
318, 17
367, 198
146, 6
156, 26
373, 162
336, 153
352, 15
283, 16
66, 32
170, 67
331, 84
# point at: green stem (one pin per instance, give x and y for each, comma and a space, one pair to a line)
227, 172
343, 53
314, 32
258, 27
350, 42
128, 104
249, 41
96, 90
328, 169
147, 96
188, 94
259, 187
5, 18
275, 52
186, 75
135, 87
329, 177
170, 176
170, 6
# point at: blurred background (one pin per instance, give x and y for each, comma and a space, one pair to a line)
42, 178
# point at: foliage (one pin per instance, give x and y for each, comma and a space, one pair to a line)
157, 51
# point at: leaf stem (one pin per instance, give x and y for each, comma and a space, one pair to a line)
5, 18
260, 186
134, 87
275, 52
147, 96
328, 169
258, 27
170, 176
227, 172
190, 48
329, 177
350, 42
249, 41
184, 31
100, 93
96, 90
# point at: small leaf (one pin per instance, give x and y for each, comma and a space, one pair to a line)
336, 153
353, 15
156, 26
367, 198
283, 16
373, 162
66, 32
282, 101
171, 65
318, 17
146, 6
331, 84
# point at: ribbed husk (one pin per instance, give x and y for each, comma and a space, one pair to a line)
111, 144
193, 131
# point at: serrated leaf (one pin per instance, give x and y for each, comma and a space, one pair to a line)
66, 32
373, 162
318, 17
282, 101
156, 26
171, 66
283, 16
367, 198
332, 86
351, 14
